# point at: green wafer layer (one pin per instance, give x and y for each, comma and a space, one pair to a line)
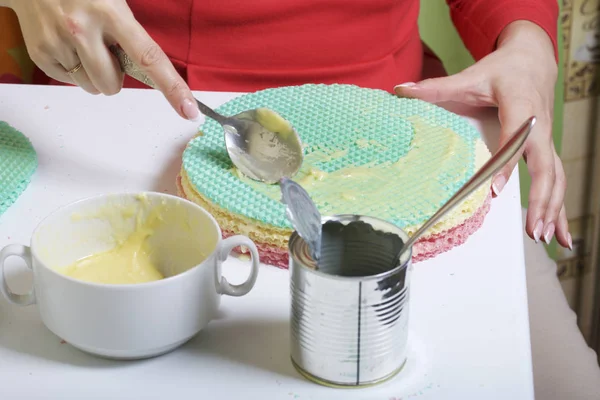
18, 162
370, 127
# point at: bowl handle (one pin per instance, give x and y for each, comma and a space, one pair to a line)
23, 252
224, 249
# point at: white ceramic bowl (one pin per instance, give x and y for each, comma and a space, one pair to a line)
134, 320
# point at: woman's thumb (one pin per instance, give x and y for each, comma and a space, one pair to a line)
458, 88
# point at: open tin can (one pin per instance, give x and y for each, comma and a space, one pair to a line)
349, 316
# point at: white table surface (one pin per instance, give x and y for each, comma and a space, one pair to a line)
469, 331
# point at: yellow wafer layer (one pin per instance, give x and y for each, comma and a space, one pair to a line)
467, 207
255, 230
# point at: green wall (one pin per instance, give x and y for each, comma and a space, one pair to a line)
439, 34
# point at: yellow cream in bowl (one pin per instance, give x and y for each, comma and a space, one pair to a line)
130, 260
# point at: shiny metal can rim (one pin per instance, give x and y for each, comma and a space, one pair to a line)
405, 260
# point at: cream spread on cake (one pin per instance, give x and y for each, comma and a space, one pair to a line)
372, 186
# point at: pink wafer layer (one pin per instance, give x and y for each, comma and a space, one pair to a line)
426, 248
431, 246
269, 254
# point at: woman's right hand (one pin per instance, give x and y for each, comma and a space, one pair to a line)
61, 34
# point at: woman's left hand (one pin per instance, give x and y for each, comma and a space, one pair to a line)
519, 78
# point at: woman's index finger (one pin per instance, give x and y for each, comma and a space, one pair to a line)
152, 62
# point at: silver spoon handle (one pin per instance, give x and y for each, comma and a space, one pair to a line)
134, 71
130, 68
209, 112
494, 164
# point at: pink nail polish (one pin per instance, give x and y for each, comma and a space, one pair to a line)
190, 110
498, 184
537, 231
549, 233
570, 241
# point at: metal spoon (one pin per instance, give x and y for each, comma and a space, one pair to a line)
261, 144
493, 165
303, 214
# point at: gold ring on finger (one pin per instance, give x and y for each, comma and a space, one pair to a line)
74, 69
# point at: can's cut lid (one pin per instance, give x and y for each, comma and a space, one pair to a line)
303, 214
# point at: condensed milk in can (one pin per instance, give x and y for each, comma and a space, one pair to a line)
349, 315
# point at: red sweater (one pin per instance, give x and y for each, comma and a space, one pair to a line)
241, 45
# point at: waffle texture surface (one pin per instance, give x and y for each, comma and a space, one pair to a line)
405, 157
18, 162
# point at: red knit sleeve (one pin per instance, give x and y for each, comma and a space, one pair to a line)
480, 22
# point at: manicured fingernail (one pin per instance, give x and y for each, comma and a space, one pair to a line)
549, 233
537, 231
400, 93
405, 85
190, 110
398, 88
498, 184
570, 241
